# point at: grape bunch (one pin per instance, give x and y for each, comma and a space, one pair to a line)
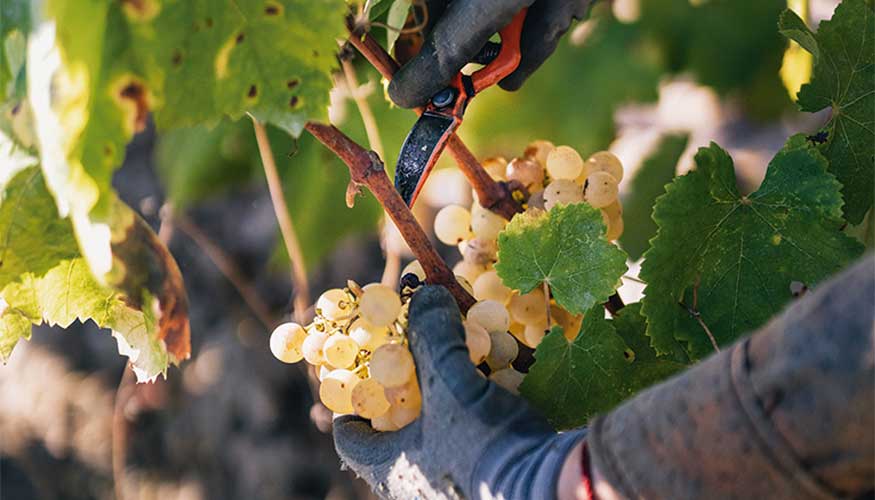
358, 342
545, 176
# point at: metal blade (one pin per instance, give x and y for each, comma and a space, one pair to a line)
420, 151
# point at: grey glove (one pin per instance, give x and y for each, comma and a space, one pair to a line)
459, 29
473, 439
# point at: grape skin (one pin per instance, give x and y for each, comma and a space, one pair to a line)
340, 350
312, 347
486, 224
469, 270
564, 163
335, 391
334, 304
527, 172
613, 218
480, 252
562, 192
369, 399
529, 308
286, 341
488, 286
604, 161
600, 189
508, 378
379, 305
491, 315
405, 396
495, 167
538, 151
452, 224
478, 342
368, 336
414, 268
504, 350
392, 365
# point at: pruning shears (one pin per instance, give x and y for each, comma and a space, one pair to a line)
443, 113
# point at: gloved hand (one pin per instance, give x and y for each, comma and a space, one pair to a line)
459, 29
473, 440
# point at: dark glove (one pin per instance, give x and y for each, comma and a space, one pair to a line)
473, 439
462, 27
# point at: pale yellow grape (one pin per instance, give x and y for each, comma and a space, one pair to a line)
384, 423
335, 390
600, 189
340, 350
533, 335
334, 304
504, 350
604, 161
368, 336
613, 217
478, 342
286, 341
479, 251
564, 163
570, 323
488, 286
508, 378
469, 270
312, 347
528, 308
495, 167
465, 284
392, 365
489, 314
323, 372
538, 151
369, 399
405, 396
516, 329
402, 416
379, 305
485, 223
536, 201
562, 192
527, 172
414, 268
452, 224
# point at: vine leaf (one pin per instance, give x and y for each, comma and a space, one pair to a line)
607, 362
649, 182
726, 261
843, 81
567, 249
45, 279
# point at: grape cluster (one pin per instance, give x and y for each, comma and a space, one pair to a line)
546, 176
358, 342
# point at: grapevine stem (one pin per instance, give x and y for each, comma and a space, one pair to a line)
547, 302
365, 167
301, 298
492, 195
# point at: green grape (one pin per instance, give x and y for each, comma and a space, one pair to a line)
478, 342
334, 304
604, 161
538, 151
562, 192
600, 189
488, 286
392, 365
312, 347
369, 399
452, 224
508, 378
486, 224
489, 314
336, 388
379, 305
564, 163
286, 341
368, 336
340, 350
504, 350
529, 308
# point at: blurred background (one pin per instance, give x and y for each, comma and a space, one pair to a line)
233, 422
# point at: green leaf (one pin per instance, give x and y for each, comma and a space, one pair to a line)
732, 258
45, 279
14, 27
395, 19
567, 249
648, 367
843, 81
572, 381
649, 182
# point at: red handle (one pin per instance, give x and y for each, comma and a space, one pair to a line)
508, 57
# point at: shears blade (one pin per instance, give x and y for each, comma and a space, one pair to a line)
420, 152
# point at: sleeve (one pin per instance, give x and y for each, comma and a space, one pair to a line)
785, 414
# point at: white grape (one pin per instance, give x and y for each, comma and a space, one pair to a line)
465, 284
488, 286
468, 270
495, 167
384, 423
452, 224
527, 172
562, 192
414, 268
478, 342
479, 251
604, 161
392, 365
402, 416
340, 350
529, 308
311, 348
613, 217
564, 163
286, 341
570, 323
533, 334
323, 372
536, 202
504, 350
516, 329
538, 151
334, 304
508, 378
485, 223
489, 314
405, 396
335, 391
369, 399
368, 336
379, 305
600, 189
